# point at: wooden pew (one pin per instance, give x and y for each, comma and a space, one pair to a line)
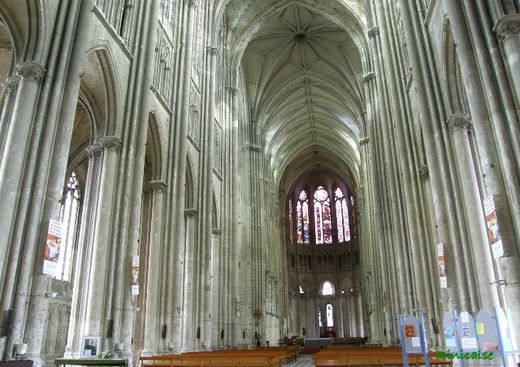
349, 357
269, 357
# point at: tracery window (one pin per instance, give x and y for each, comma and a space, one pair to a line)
342, 219
329, 220
330, 316
327, 289
69, 217
302, 217
290, 220
322, 216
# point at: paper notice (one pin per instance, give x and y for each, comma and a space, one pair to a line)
416, 342
464, 317
480, 329
469, 343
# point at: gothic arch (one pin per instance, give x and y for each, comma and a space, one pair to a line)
26, 23
154, 147
7, 52
455, 101
189, 185
215, 212
324, 287
81, 140
100, 87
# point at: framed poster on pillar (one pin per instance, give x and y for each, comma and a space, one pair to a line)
90, 346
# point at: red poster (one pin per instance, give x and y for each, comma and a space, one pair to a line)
409, 331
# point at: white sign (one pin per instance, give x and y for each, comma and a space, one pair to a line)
493, 229
51, 254
135, 275
469, 343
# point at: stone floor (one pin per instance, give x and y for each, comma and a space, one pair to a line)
304, 360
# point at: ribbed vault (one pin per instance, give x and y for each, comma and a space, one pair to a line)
302, 63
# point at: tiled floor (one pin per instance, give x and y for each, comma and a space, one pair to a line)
304, 360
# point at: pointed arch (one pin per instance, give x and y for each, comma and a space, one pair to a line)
322, 216
302, 217
456, 101
215, 217
154, 147
327, 288
100, 87
341, 208
189, 185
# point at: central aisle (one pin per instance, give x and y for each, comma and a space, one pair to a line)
303, 360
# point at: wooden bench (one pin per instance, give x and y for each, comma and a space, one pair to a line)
269, 357
349, 357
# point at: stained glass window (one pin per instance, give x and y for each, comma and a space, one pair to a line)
290, 221
330, 317
69, 217
302, 217
322, 216
342, 216
327, 289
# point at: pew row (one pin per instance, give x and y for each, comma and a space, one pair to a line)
350, 357
268, 357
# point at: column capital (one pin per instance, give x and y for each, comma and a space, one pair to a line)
458, 121
212, 50
250, 147
31, 70
191, 3
372, 32
111, 143
157, 186
369, 77
94, 151
507, 26
232, 90
364, 141
216, 232
424, 172
192, 213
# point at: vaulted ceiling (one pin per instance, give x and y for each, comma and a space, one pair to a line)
302, 64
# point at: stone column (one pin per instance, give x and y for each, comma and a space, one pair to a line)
10, 86
102, 243
459, 124
81, 265
497, 160
359, 316
177, 169
16, 145
351, 323
207, 200
508, 30
188, 329
152, 328
218, 298
445, 227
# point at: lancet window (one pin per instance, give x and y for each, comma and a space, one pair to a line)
290, 229
322, 216
302, 217
342, 216
69, 218
328, 219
